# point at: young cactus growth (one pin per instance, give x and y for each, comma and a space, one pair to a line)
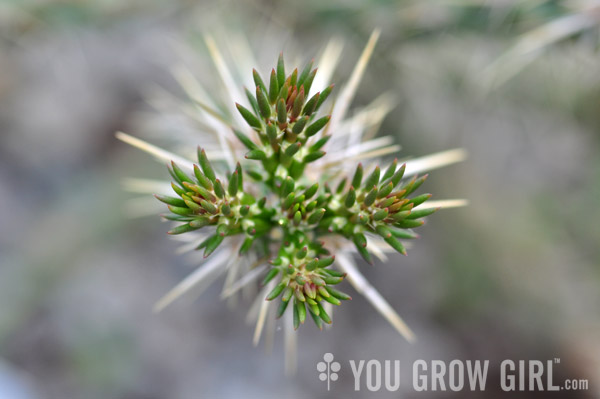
294, 213
270, 192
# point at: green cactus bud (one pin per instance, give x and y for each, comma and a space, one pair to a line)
270, 276
313, 156
299, 125
249, 117
178, 202
350, 198
258, 82
275, 291
245, 140
280, 70
316, 126
263, 103
205, 165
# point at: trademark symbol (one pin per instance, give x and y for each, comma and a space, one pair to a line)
556, 360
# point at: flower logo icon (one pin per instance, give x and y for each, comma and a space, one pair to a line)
328, 369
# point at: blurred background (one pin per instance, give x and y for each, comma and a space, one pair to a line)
513, 276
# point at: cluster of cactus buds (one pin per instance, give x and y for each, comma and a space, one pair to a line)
378, 205
293, 213
205, 201
305, 278
284, 119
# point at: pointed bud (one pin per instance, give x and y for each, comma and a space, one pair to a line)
193, 206
203, 180
333, 300
287, 294
284, 91
302, 252
398, 175
184, 228
209, 207
273, 87
410, 224
316, 216
316, 126
324, 94
299, 125
314, 313
281, 112
397, 245
275, 291
310, 191
311, 104
262, 202
334, 273
297, 218
219, 191
298, 103
387, 203
281, 309
313, 156
222, 230
297, 292
200, 222
324, 262
249, 117
178, 190
233, 184
385, 190
390, 170
180, 210
212, 244
257, 155
252, 101
380, 214
249, 144
271, 132
415, 184
418, 200
226, 209
338, 294
292, 149
323, 314
371, 196
350, 198
294, 77
181, 175
420, 213
301, 311
305, 73
288, 201
292, 98
373, 179
270, 276
364, 253
258, 82
205, 165
287, 187
263, 103
280, 70
383, 231
310, 290
170, 200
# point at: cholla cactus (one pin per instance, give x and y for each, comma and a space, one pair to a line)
278, 210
